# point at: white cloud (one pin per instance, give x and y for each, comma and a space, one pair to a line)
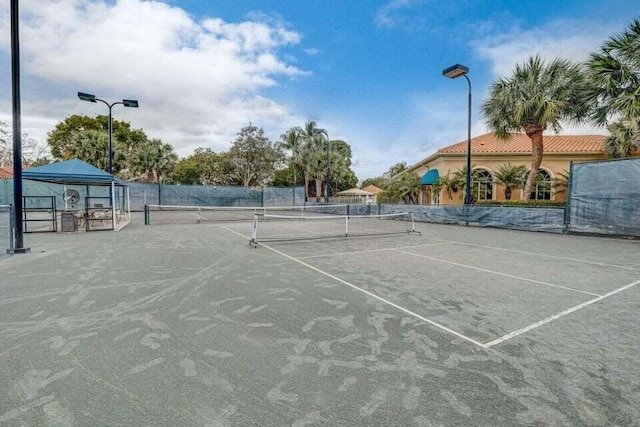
391, 14
198, 81
567, 39
312, 51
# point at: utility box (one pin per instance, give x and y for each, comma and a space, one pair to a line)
69, 221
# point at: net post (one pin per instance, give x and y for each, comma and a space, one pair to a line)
413, 224
146, 214
346, 225
254, 230
348, 209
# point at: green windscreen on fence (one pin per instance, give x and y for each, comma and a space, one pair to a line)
605, 197
162, 194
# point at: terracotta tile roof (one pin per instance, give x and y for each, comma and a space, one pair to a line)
520, 143
372, 189
6, 172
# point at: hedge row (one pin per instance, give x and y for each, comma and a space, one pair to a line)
523, 203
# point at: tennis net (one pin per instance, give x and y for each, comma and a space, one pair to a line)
6, 230
164, 214
273, 228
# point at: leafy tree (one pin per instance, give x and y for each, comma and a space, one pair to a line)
253, 158
291, 176
203, 167
187, 172
536, 97
62, 137
510, 177
33, 153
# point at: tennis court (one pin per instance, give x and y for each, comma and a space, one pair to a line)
188, 324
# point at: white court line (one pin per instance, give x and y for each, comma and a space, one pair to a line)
547, 255
371, 250
372, 295
557, 316
498, 273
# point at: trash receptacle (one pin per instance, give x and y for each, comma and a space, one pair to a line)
69, 222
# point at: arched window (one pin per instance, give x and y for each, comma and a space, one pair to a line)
542, 187
482, 184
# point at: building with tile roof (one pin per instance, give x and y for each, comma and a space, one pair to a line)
6, 172
489, 153
372, 189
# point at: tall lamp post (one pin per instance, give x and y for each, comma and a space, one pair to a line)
132, 103
454, 72
326, 134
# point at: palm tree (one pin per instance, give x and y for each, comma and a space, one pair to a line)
510, 177
536, 97
451, 184
312, 144
404, 188
623, 139
292, 140
398, 168
561, 182
614, 77
152, 160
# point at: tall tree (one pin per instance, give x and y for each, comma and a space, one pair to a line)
614, 77
292, 141
203, 167
622, 140
152, 161
538, 96
253, 158
61, 138
308, 152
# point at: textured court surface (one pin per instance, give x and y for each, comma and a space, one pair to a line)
188, 325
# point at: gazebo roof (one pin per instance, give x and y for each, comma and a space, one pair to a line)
73, 171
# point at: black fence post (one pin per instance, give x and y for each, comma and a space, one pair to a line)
567, 209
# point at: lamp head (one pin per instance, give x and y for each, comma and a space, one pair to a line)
86, 97
455, 71
131, 103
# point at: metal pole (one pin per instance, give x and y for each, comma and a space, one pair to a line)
110, 142
328, 167
17, 130
467, 193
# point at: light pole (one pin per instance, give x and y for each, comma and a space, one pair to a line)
454, 72
132, 103
326, 134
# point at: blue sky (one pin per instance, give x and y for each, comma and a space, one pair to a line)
368, 72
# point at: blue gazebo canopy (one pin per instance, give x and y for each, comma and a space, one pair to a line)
430, 177
73, 171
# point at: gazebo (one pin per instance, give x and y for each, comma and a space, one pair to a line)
93, 209
357, 195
